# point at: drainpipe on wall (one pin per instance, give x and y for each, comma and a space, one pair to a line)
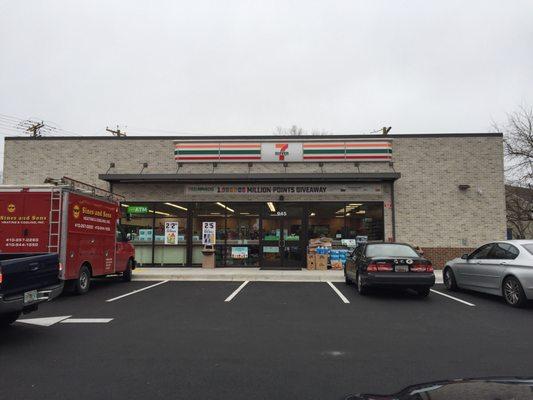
393, 210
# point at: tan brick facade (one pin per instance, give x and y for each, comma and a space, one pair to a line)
440, 255
430, 209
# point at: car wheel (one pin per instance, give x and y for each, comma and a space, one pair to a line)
8, 319
126, 275
84, 280
423, 292
346, 279
449, 279
361, 288
513, 293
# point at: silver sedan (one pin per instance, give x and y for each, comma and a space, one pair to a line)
502, 268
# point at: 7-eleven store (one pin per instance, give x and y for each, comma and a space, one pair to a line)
266, 198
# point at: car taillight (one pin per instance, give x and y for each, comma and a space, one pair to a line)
379, 267
421, 267
1, 277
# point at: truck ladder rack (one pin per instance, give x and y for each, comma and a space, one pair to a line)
54, 233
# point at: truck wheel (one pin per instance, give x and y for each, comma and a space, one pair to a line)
84, 280
126, 275
8, 319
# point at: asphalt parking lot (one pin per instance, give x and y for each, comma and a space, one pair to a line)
207, 340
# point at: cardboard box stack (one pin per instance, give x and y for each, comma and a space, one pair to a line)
318, 253
311, 261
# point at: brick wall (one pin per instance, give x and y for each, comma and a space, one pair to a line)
439, 255
430, 209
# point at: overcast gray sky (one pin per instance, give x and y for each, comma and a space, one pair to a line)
208, 67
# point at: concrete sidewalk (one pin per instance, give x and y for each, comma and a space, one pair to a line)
241, 274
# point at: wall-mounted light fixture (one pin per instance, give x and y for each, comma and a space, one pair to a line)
111, 165
464, 187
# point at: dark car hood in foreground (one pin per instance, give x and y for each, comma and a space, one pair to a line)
515, 388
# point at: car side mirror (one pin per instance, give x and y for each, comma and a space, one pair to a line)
464, 256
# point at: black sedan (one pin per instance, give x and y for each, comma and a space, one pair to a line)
389, 265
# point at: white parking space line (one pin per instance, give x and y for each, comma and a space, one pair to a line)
136, 291
231, 296
86, 321
343, 298
453, 298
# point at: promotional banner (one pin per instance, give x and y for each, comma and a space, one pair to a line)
209, 233
300, 189
171, 233
239, 253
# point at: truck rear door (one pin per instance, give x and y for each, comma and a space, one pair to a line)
24, 221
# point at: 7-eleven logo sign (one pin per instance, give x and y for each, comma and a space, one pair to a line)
282, 150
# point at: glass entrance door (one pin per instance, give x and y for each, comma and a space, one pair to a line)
281, 236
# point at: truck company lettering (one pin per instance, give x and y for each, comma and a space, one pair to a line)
97, 213
27, 219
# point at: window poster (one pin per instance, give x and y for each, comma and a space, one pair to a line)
171, 233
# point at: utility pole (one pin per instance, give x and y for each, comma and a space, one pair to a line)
34, 129
117, 133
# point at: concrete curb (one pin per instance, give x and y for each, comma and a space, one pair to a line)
237, 274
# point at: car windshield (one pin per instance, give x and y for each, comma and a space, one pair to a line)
390, 250
528, 247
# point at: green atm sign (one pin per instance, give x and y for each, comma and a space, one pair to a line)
137, 210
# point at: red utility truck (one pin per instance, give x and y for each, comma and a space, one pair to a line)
75, 220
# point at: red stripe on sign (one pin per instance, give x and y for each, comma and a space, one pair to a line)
195, 158
240, 157
197, 146
324, 157
371, 157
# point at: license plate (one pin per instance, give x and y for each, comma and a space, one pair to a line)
30, 296
402, 268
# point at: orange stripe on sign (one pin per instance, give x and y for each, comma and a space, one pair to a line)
240, 146
197, 146
367, 144
322, 145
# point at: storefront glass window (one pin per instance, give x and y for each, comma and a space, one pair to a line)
209, 212
327, 220
242, 227
170, 233
137, 220
365, 219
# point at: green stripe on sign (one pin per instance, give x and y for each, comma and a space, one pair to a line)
199, 152
323, 151
240, 152
368, 151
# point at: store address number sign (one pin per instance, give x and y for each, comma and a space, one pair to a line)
378, 150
